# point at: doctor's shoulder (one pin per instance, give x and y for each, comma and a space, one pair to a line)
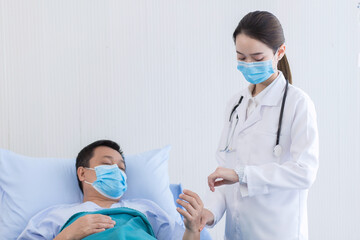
300, 100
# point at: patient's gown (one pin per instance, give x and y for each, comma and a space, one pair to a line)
47, 223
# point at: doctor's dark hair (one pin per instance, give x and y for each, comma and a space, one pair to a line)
84, 156
265, 27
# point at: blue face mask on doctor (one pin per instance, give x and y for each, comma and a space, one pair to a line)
256, 72
110, 181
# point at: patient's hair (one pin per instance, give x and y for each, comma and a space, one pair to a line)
84, 156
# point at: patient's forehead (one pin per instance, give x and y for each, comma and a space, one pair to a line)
106, 156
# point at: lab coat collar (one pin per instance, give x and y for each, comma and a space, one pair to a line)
258, 98
272, 97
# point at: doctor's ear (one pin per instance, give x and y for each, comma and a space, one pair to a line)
281, 52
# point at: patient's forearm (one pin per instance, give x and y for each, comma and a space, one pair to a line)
64, 235
189, 235
60, 237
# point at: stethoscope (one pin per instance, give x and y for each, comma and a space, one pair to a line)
277, 149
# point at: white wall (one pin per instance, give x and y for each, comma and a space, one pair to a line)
151, 73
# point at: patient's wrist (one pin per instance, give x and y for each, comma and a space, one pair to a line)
191, 235
60, 236
63, 235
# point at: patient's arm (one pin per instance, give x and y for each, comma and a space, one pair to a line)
85, 226
192, 216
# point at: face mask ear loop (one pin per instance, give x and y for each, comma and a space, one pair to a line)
276, 53
275, 68
85, 180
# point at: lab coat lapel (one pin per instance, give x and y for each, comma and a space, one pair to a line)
272, 98
275, 95
252, 119
241, 110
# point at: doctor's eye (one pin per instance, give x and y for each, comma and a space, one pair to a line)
259, 60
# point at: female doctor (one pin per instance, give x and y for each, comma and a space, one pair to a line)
268, 151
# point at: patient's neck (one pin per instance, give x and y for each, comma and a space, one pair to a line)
100, 201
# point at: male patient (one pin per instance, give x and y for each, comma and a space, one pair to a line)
101, 175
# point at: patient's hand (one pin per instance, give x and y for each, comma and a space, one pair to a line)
85, 226
192, 216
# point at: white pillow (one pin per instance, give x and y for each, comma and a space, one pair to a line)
28, 185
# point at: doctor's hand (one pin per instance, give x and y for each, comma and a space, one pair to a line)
85, 226
192, 216
207, 218
222, 176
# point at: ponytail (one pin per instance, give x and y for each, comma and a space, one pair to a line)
283, 66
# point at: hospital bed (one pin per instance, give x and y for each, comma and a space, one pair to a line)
30, 184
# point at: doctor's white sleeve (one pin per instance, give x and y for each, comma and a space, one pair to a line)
299, 172
215, 202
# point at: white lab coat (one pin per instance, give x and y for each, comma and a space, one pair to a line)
272, 204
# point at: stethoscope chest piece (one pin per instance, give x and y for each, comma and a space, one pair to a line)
277, 150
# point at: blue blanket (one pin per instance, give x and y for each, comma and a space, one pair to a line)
130, 225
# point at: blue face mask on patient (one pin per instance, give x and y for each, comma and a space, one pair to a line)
110, 181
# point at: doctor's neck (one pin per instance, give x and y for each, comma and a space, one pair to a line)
258, 88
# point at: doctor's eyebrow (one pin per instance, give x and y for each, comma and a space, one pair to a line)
252, 54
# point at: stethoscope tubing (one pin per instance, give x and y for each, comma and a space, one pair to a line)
229, 138
281, 113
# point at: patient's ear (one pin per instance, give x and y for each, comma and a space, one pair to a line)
81, 173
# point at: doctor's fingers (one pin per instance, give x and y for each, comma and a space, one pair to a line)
203, 221
226, 174
222, 182
211, 180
